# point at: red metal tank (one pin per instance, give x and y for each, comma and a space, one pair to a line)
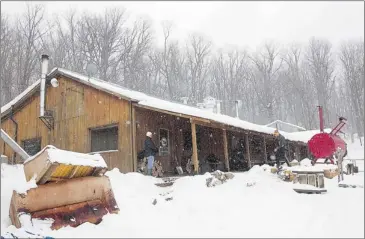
324, 145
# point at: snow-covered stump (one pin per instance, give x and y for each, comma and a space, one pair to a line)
218, 178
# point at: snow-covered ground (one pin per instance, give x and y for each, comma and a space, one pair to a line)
355, 149
252, 204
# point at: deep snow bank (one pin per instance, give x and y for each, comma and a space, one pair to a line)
355, 149
12, 178
252, 204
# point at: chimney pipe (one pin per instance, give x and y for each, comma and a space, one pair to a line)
237, 115
218, 106
43, 83
185, 100
321, 124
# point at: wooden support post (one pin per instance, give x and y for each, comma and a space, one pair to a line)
134, 139
195, 148
248, 151
265, 151
225, 147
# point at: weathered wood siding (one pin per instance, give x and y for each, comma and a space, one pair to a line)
148, 120
210, 139
77, 108
211, 142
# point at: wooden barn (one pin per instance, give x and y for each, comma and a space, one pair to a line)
83, 114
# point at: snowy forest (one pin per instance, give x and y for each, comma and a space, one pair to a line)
284, 82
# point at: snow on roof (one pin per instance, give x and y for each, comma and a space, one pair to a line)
20, 96
304, 136
153, 102
71, 158
109, 87
285, 123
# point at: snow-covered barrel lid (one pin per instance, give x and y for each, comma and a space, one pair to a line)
61, 156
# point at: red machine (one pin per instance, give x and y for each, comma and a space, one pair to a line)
326, 145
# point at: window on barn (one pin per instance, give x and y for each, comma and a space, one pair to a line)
32, 146
104, 139
164, 144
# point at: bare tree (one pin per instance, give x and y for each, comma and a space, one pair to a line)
198, 50
7, 60
171, 64
268, 63
133, 60
28, 44
63, 44
321, 65
352, 59
100, 39
286, 86
138, 56
230, 79
299, 94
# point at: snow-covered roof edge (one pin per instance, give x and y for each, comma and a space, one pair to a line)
150, 101
22, 96
285, 123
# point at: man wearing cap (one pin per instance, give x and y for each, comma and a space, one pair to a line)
280, 148
150, 151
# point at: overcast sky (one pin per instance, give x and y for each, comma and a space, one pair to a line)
243, 24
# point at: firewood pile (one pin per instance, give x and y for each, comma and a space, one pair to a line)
189, 166
157, 170
218, 178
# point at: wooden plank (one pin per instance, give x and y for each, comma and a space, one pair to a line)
248, 154
265, 150
195, 148
192, 118
202, 120
163, 111
134, 146
225, 145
